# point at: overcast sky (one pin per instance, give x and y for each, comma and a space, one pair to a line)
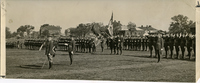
68, 13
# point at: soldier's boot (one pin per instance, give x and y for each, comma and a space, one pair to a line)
158, 58
71, 59
120, 52
50, 65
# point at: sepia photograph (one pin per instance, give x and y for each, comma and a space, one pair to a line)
101, 40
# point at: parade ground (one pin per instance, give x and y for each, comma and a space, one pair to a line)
130, 66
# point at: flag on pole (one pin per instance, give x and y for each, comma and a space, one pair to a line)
110, 26
94, 31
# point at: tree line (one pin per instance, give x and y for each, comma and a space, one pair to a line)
179, 24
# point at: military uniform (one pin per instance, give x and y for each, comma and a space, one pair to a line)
119, 42
111, 45
158, 47
143, 43
129, 43
194, 45
147, 43
49, 51
134, 43
154, 45
150, 38
177, 44
139, 43
82, 45
107, 43
189, 46
166, 45
171, 45
102, 45
71, 50
183, 44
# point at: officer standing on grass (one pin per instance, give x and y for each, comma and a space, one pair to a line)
50, 50
71, 49
159, 46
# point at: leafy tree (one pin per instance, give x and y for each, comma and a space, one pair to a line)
25, 28
116, 27
44, 25
14, 34
8, 33
180, 24
131, 27
45, 33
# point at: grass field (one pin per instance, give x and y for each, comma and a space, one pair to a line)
131, 66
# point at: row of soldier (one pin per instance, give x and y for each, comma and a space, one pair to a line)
85, 45
180, 43
136, 43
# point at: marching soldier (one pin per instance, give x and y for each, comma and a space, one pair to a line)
146, 43
132, 43
50, 50
87, 45
194, 44
171, 44
183, 44
166, 45
143, 43
115, 44
124, 44
189, 45
177, 44
77, 46
154, 45
107, 42
111, 39
136, 43
102, 44
139, 43
129, 43
90, 45
119, 41
82, 45
150, 38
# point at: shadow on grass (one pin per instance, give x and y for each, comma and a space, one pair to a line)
31, 66
145, 56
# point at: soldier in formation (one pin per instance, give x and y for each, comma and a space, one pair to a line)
176, 44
